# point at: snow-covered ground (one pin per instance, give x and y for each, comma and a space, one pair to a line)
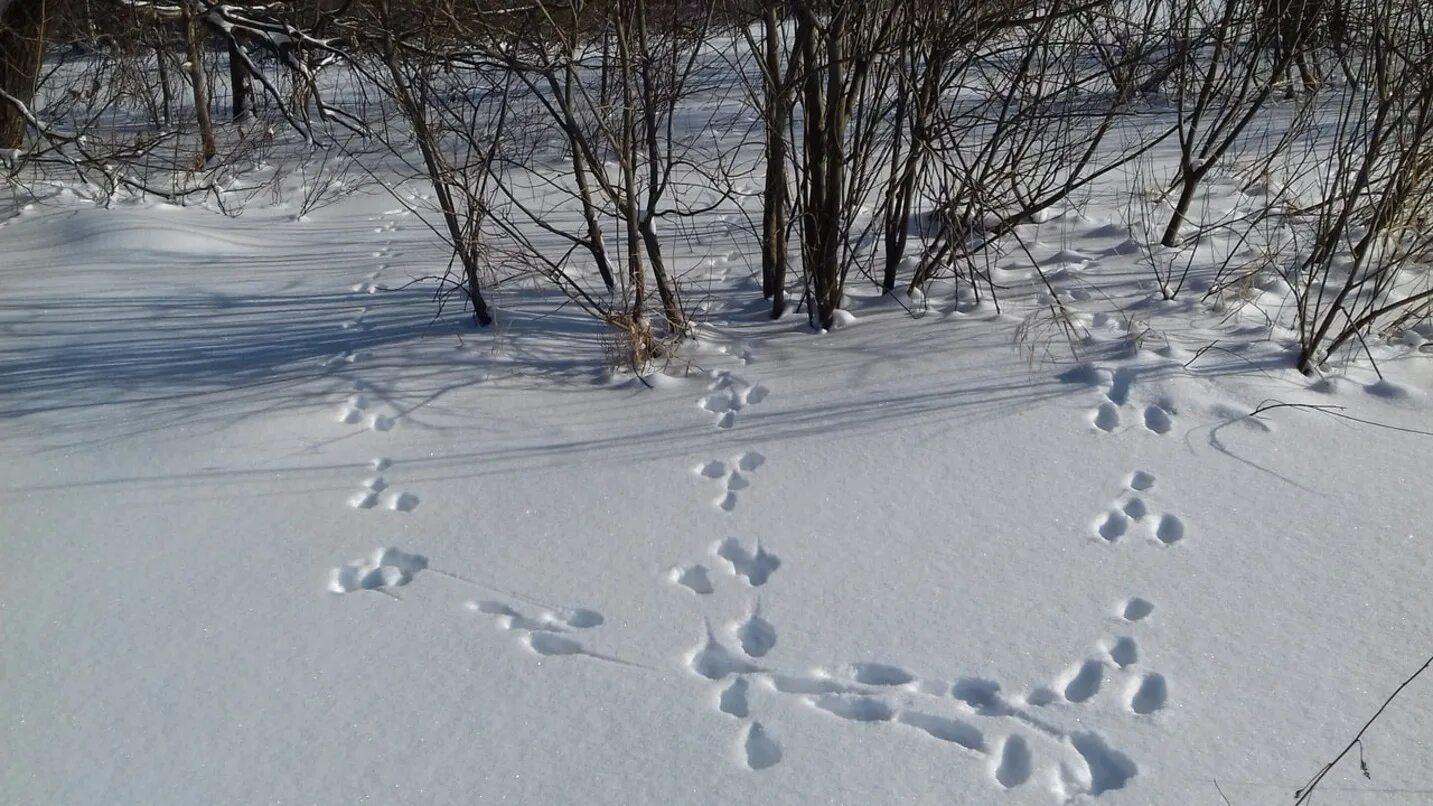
273, 533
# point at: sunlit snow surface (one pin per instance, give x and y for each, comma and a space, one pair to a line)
276, 533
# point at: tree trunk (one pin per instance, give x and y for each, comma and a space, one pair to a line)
1181, 208
22, 49
773, 214
194, 45
166, 90
464, 245
596, 245
819, 43
239, 83
666, 289
627, 154
831, 212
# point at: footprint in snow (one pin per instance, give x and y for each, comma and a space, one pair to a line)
1124, 652
1115, 523
384, 570
759, 750
1116, 386
353, 409
1107, 417
756, 635
1106, 769
1083, 682
694, 578
1158, 418
376, 491
756, 566
1140, 481
875, 674
1148, 694
367, 498
734, 476
1013, 765
1170, 529
715, 662
1135, 508
855, 708
733, 699
345, 357
548, 633
727, 395
399, 501
1135, 609
945, 729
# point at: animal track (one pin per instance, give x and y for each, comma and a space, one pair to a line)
945, 729
1149, 694
357, 321
1106, 769
1170, 529
1084, 682
1117, 387
510, 618
1157, 419
855, 708
759, 749
386, 569
797, 685
367, 497
400, 502
375, 491
1041, 696
727, 395
583, 619
1136, 609
1120, 382
352, 411
733, 699
876, 693
757, 566
980, 694
734, 476
1013, 767
345, 357
1124, 652
715, 662
1107, 417
1114, 526
756, 635
692, 577
547, 644
1135, 509
880, 674
546, 634
1115, 523
355, 410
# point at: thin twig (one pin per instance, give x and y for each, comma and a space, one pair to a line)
1302, 795
1333, 411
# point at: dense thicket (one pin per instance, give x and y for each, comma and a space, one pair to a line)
895, 142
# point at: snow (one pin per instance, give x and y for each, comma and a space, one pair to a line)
274, 533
